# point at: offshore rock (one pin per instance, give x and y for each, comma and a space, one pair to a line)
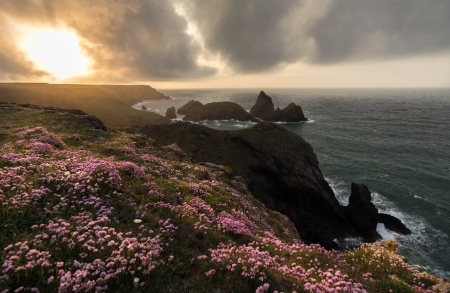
263, 108
292, 113
362, 212
170, 113
188, 107
218, 111
143, 107
393, 224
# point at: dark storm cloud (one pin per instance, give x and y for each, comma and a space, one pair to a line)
362, 29
256, 35
136, 40
127, 40
251, 35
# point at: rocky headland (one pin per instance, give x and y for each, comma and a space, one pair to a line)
281, 170
88, 208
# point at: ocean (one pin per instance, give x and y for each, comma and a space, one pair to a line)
396, 141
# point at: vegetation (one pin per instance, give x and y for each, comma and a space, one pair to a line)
111, 103
84, 210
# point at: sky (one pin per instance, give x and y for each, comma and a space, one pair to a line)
227, 43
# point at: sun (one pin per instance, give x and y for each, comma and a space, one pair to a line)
57, 52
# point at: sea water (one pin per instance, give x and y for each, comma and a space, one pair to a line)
396, 141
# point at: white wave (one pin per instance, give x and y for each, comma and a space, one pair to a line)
240, 125
349, 242
419, 246
342, 194
385, 233
310, 121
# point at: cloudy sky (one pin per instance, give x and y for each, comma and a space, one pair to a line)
227, 43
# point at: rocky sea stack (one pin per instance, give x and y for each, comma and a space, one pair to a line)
264, 110
281, 170
218, 111
188, 107
170, 113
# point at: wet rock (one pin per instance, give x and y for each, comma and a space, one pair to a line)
393, 224
143, 107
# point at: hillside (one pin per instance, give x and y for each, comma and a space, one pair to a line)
111, 103
89, 210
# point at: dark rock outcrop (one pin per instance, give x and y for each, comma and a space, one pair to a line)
263, 108
218, 111
188, 107
292, 113
393, 224
362, 212
170, 113
281, 170
143, 107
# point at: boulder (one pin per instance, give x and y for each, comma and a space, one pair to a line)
188, 107
170, 113
263, 108
143, 107
218, 111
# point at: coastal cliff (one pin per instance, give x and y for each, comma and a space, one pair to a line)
281, 170
88, 208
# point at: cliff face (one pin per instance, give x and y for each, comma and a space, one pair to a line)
281, 170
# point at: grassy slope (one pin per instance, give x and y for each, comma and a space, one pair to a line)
111, 103
68, 222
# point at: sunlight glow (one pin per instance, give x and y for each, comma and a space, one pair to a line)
56, 51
